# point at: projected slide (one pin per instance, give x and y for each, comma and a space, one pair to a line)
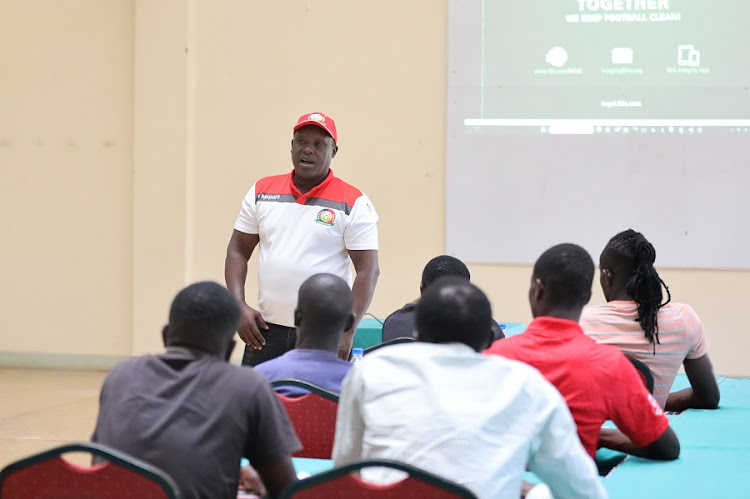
572, 120
588, 66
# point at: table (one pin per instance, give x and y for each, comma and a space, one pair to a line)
714, 457
370, 332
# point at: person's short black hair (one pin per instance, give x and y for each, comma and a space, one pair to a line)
567, 273
203, 315
454, 310
442, 266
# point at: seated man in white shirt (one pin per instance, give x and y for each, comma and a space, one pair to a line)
439, 405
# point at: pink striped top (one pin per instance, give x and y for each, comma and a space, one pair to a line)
681, 337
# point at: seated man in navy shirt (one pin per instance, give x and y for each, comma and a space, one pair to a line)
323, 313
402, 322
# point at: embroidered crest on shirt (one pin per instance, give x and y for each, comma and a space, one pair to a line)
326, 217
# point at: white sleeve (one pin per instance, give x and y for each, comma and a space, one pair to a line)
247, 222
361, 231
350, 427
558, 457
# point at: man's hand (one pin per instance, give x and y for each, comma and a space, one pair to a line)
345, 347
251, 323
250, 481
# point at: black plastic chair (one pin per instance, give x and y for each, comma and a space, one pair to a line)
646, 375
394, 341
346, 482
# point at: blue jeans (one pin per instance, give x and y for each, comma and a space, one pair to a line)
279, 340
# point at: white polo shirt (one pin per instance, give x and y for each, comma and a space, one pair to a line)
302, 235
476, 420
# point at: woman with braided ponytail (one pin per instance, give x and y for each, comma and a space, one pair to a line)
648, 326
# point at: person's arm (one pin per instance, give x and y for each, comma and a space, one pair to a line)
277, 475
642, 427
704, 390
239, 250
558, 457
664, 448
367, 270
350, 426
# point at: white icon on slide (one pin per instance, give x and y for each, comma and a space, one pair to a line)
688, 56
622, 55
557, 57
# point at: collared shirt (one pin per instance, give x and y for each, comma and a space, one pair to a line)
473, 419
597, 381
302, 235
194, 416
681, 336
314, 366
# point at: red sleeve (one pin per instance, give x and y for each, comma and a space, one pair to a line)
634, 410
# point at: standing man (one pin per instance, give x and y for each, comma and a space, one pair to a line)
306, 222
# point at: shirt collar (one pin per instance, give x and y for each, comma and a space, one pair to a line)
301, 198
554, 326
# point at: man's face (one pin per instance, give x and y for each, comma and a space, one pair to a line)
312, 151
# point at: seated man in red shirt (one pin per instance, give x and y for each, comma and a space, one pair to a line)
597, 381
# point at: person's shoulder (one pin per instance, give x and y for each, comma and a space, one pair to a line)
238, 378
594, 310
342, 191
274, 184
510, 344
131, 364
679, 308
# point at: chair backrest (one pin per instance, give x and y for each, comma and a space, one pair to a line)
646, 375
345, 482
48, 475
313, 417
394, 341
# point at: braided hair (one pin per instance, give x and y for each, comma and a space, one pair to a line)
636, 256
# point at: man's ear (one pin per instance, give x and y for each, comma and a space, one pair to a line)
350, 323
291, 146
297, 317
335, 150
537, 289
164, 334
421, 288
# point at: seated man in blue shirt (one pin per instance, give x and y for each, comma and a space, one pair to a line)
323, 313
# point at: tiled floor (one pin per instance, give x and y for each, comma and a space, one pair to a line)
40, 409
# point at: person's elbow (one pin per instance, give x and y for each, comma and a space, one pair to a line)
665, 448
712, 398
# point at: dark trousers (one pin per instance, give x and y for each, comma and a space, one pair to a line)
279, 340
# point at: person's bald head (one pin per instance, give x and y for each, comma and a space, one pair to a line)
204, 317
452, 309
324, 312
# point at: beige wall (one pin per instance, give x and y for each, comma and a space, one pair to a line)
66, 155
214, 89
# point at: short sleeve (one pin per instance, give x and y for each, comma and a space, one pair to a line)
247, 220
272, 436
695, 333
633, 409
361, 231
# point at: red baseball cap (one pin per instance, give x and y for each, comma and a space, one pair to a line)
318, 119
